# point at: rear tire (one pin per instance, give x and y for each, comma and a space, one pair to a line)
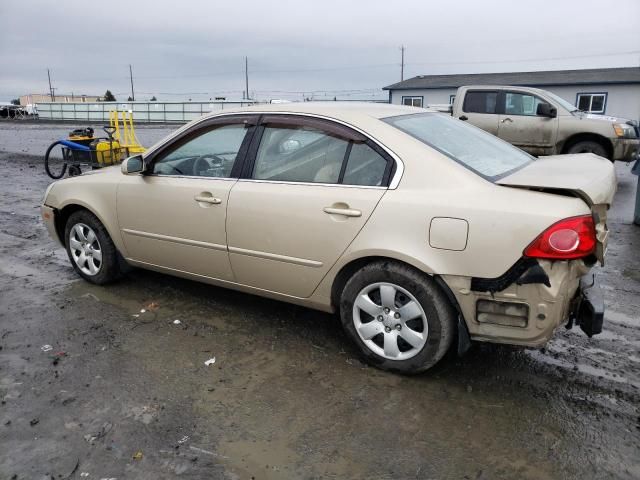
589, 146
90, 249
397, 316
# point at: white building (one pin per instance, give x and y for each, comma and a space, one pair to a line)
610, 91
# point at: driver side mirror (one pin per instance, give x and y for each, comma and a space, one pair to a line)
133, 165
546, 110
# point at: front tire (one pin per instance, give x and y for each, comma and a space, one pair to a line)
397, 316
589, 147
90, 248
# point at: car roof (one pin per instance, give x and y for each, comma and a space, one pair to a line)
338, 110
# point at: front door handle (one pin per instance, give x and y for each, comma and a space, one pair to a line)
463, 117
207, 199
505, 120
347, 212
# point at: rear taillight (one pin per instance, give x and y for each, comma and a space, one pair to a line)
573, 237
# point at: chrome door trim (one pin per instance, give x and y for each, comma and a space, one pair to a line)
393, 184
181, 241
274, 256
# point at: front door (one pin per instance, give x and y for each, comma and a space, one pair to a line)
174, 217
522, 127
310, 187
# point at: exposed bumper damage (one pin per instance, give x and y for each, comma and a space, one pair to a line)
528, 303
626, 149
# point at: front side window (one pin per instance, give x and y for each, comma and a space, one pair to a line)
412, 101
521, 104
299, 154
480, 101
477, 150
592, 102
210, 154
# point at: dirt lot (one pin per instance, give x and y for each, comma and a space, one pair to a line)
123, 393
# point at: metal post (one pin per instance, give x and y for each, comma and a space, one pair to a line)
246, 75
402, 63
636, 171
133, 97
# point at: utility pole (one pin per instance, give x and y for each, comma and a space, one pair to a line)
402, 63
133, 97
246, 76
51, 89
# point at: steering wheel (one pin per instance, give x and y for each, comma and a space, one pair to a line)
204, 162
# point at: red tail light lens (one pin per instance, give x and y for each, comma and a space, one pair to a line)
570, 238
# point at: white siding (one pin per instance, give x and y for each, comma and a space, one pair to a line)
622, 100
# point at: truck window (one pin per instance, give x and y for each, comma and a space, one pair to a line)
475, 149
521, 104
480, 101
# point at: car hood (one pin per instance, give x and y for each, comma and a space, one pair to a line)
585, 175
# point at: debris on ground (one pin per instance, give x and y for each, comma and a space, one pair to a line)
211, 361
177, 322
137, 455
34, 422
46, 348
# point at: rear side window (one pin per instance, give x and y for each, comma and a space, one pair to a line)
480, 102
365, 166
299, 154
477, 150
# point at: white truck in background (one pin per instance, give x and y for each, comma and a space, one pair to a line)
541, 123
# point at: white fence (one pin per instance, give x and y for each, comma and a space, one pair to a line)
143, 112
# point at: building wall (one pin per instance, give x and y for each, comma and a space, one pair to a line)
34, 98
622, 100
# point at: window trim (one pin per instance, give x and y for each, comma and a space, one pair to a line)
592, 94
502, 103
482, 90
331, 126
200, 128
412, 97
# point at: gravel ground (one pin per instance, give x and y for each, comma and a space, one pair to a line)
126, 394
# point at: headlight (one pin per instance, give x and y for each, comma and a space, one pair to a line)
624, 131
46, 192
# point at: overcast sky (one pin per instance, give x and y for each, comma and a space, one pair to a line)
350, 49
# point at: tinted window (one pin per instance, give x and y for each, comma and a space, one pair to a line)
365, 166
521, 104
299, 154
210, 154
412, 101
480, 102
477, 150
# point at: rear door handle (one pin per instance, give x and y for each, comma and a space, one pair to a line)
506, 119
207, 199
347, 212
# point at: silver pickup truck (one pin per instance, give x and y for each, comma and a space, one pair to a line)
542, 123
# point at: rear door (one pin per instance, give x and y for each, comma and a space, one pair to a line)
309, 187
479, 107
521, 126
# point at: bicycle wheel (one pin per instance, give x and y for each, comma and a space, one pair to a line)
55, 160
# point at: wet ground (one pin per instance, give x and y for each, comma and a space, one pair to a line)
93, 387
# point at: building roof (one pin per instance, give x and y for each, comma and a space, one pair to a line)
628, 75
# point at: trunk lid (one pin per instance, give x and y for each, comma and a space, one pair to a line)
587, 176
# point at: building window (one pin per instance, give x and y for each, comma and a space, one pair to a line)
412, 101
451, 99
592, 102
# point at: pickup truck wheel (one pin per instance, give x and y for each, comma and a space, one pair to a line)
398, 317
588, 147
90, 248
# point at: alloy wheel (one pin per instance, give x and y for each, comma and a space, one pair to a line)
85, 249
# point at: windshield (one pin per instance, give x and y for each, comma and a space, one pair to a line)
563, 103
484, 154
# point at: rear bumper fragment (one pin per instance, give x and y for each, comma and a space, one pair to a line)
588, 307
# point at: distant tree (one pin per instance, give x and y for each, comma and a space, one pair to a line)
15, 101
108, 96
129, 99
153, 99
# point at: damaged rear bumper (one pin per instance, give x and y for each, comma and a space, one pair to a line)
525, 306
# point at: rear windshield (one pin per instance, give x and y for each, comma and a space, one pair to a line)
479, 151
